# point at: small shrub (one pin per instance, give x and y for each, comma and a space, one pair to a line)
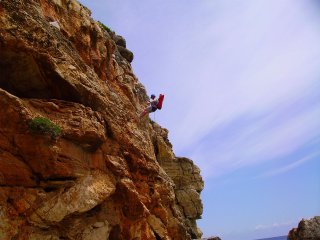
104, 26
44, 126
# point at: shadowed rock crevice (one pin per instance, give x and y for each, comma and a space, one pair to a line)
115, 233
156, 235
32, 76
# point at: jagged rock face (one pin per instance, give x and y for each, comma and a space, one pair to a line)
307, 230
109, 175
186, 177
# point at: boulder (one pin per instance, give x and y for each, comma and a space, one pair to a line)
120, 41
306, 230
127, 54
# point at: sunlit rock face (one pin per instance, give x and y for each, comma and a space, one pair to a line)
108, 175
306, 230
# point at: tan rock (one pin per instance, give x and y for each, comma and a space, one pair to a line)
87, 193
42, 236
187, 179
108, 175
157, 226
190, 201
8, 228
98, 232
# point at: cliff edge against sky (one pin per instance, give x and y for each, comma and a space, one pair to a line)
107, 175
308, 229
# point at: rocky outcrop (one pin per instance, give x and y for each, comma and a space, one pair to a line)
108, 175
186, 177
307, 230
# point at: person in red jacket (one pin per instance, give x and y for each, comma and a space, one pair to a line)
152, 107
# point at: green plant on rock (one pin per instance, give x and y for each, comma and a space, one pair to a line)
104, 26
44, 126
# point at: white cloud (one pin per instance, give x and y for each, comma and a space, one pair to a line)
256, 140
245, 63
289, 224
291, 165
231, 82
274, 225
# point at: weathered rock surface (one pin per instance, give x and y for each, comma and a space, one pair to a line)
307, 230
186, 177
109, 175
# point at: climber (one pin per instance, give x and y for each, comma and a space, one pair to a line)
153, 106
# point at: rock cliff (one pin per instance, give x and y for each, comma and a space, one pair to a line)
107, 175
306, 230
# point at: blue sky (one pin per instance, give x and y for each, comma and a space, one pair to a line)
242, 86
